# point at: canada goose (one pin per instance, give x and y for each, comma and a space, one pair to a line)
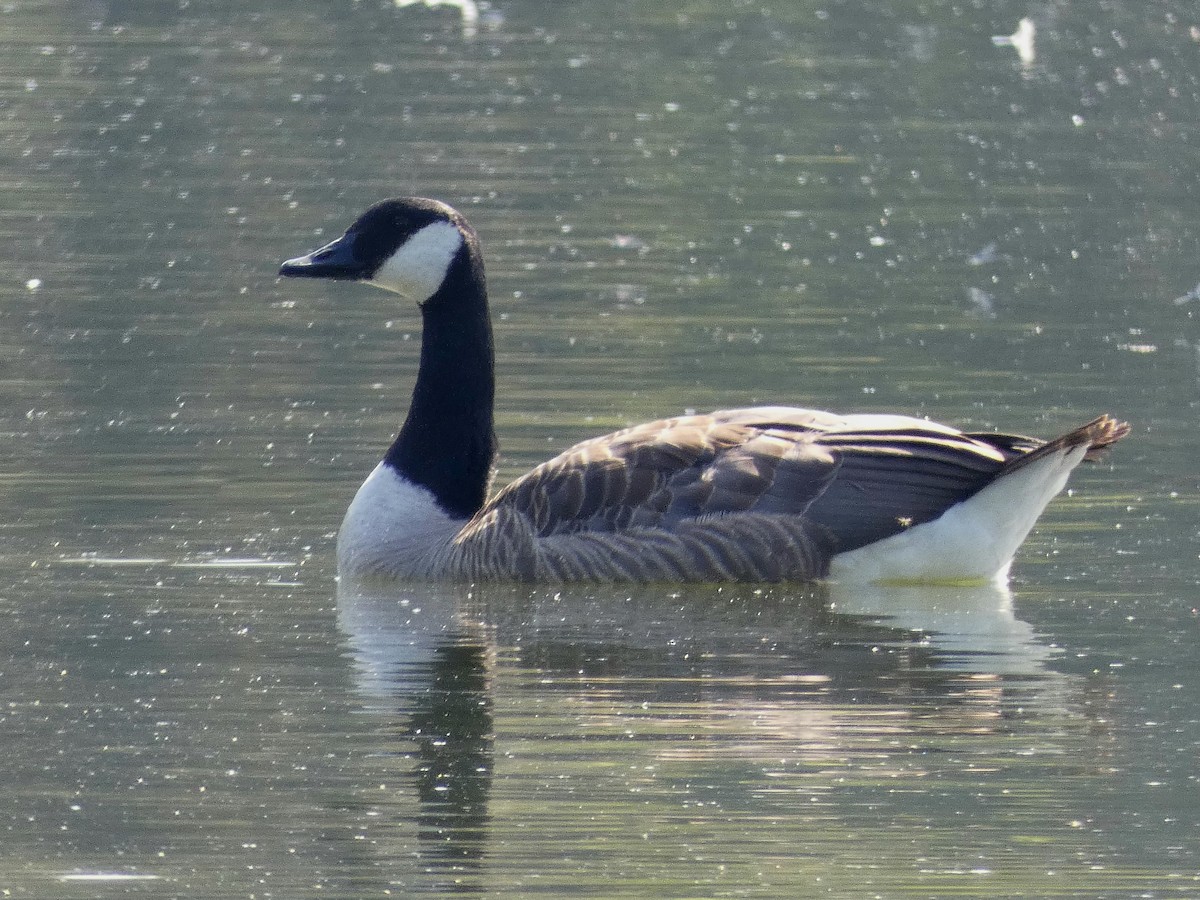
763, 494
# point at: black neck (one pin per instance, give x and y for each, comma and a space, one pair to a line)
447, 444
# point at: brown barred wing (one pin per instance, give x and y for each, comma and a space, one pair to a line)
666, 472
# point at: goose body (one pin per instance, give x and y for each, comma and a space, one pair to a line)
767, 493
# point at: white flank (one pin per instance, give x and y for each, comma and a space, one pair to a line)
393, 527
973, 541
418, 267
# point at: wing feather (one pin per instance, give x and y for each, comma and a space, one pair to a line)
769, 493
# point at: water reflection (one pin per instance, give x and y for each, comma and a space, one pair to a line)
451, 724
468, 11
783, 675
416, 656
969, 629
397, 634
798, 205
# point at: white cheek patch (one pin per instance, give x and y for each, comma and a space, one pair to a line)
419, 265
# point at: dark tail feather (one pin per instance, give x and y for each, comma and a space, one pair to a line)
1097, 435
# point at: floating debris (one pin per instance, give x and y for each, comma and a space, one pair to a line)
1193, 294
1020, 40
985, 256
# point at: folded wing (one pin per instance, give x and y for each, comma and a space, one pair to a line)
818, 483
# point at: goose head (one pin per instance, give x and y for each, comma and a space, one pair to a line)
439, 465
406, 245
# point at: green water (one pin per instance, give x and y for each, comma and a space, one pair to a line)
846, 205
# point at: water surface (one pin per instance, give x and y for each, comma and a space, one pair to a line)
698, 206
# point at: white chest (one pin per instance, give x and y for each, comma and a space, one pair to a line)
393, 527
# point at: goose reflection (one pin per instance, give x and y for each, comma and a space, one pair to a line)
416, 658
399, 634
813, 672
968, 629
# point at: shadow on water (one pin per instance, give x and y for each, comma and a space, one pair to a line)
778, 664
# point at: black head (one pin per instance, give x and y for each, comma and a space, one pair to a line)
404, 245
